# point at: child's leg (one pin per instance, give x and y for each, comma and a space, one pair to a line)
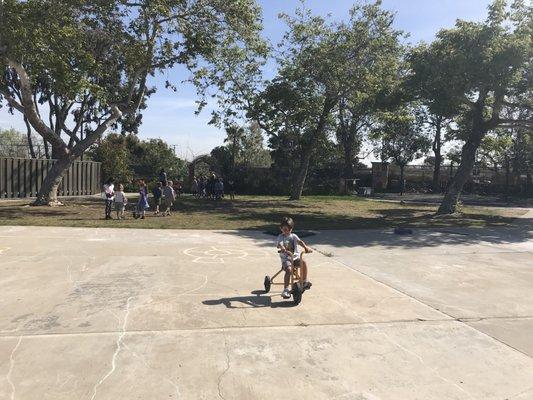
307, 284
303, 267
287, 277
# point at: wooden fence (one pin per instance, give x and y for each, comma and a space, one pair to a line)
23, 177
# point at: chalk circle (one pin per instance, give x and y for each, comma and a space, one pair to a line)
215, 254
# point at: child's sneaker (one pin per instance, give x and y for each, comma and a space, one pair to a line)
307, 285
286, 293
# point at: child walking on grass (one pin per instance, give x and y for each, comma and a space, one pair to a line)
142, 203
158, 193
170, 196
288, 243
120, 202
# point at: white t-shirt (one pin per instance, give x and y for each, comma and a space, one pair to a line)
108, 190
290, 242
120, 197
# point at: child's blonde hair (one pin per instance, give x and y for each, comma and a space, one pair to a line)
120, 186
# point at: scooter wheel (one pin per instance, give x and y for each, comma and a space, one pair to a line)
296, 294
267, 284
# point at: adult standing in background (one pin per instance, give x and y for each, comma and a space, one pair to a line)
163, 177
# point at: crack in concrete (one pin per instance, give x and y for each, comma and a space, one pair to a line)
237, 327
227, 366
117, 351
520, 394
142, 359
11, 366
404, 349
427, 305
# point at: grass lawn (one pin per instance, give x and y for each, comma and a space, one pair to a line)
258, 212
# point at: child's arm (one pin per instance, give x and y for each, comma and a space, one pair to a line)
306, 248
282, 248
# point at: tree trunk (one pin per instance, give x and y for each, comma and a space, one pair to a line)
507, 174
437, 144
48, 193
30, 142
468, 155
46, 150
402, 188
307, 149
346, 136
348, 171
298, 183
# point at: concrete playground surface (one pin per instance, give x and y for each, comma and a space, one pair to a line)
169, 314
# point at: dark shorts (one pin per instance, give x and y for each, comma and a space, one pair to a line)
287, 264
157, 201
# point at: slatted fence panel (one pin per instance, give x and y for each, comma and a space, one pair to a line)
23, 177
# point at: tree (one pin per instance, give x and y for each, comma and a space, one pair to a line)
401, 138
224, 159
481, 71
437, 122
12, 143
244, 148
234, 135
125, 157
522, 160
319, 64
152, 155
495, 149
253, 152
113, 152
378, 89
89, 63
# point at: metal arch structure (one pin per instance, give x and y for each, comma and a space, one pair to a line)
206, 158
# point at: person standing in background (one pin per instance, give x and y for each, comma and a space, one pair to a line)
109, 191
163, 177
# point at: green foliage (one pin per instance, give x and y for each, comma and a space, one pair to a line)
454, 155
114, 154
253, 152
400, 136
89, 61
244, 148
13, 143
477, 62
152, 155
321, 63
496, 148
522, 151
125, 158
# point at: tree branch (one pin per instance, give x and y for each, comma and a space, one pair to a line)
84, 144
518, 105
514, 123
12, 102
29, 107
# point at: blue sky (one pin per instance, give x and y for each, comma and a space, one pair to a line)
170, 116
